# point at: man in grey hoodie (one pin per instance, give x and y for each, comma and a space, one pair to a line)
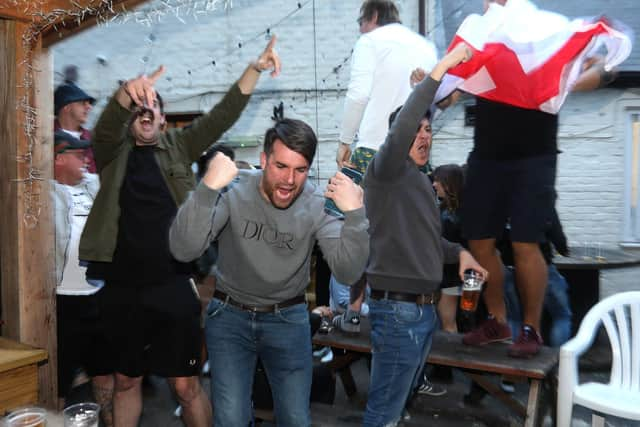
266, 223
407, 253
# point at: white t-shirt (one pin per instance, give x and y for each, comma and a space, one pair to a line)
74, 281
380, 70
75, 133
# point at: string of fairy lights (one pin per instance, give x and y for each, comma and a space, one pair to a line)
105, 13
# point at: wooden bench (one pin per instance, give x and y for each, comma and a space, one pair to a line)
18, 374
448, 350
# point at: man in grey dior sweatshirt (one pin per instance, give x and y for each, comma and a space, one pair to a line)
407, 253
266, 223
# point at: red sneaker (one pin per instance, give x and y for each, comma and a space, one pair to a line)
489, 331
528, 343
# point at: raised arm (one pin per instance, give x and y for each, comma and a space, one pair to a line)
108, 134
393, 154
593, 76
204, 213
345, 244
208, 129
346, 251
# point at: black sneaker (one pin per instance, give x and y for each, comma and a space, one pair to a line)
431, 389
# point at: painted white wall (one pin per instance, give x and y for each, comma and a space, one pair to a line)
591, 169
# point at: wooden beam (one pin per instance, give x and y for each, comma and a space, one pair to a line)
69, 27
9, 135
27, 261
15, 14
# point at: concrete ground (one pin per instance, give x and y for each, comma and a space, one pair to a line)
449, 410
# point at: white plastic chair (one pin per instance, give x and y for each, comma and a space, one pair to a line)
620, 315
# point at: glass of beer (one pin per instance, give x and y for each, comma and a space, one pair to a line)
471, 288
82, 415
27, 417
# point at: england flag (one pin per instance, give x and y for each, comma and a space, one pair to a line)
528, 57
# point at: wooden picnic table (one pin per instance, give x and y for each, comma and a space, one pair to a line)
447, 350
582, 272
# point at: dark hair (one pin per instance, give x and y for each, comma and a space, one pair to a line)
385, 9
296, 135
451, 177
208, 155
392, 116
160, 102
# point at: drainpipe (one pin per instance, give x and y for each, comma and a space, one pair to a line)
421, 17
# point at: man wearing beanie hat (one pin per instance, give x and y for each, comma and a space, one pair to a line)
81, 345
72, 106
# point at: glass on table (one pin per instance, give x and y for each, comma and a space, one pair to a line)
27, 417
85, 414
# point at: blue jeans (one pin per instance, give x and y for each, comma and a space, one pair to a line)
282, 341
401, 335
340, 294
556, 304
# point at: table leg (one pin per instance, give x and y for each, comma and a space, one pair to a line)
533, 404
497, 392
341, 365
584, 292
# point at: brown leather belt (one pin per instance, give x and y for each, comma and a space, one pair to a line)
419, 299
259, 308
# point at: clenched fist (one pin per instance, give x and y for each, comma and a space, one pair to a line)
220, 172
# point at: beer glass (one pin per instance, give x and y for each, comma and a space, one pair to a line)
27, 417
471, 288
82, 415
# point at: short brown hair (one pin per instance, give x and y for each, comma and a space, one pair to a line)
296, 135
385, 9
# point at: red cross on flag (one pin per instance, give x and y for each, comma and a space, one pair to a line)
528, 57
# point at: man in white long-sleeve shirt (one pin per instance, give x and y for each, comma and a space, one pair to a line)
383, 59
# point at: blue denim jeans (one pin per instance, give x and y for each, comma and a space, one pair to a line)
556, 305
282, 341
401, 335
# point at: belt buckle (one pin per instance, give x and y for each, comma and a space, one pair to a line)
424, 299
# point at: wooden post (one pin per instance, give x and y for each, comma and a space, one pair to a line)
27, 262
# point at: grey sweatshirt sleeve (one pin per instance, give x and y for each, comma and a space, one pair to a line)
392, 157
347, 255
450, 251
197, 223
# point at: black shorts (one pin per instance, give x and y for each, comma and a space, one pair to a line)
81, 340
153, 329
519, 190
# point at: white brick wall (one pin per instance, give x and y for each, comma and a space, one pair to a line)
591, 173
192, 46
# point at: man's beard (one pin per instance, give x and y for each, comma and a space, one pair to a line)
269, 189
